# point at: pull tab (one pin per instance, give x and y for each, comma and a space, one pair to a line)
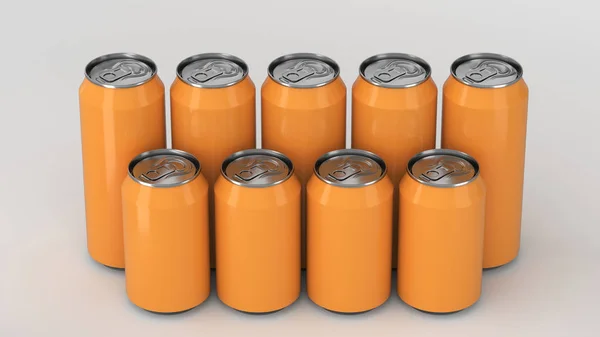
389, 74
206, 75
481, 74
114, 75
437, 173
297, 75
252, 173
345, 172
164, 169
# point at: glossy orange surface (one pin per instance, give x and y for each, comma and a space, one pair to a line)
116, 125
440, 245
166, 245
303, 124
258, 245
349, 237
211, 124
491, 126
395, 124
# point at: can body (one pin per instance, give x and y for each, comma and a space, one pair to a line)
491, 124
258, 244
303, 123
116, 125
211, 121
166, 244
396, 119
349, 241
440, 249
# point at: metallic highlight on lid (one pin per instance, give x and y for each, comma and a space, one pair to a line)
164, 168
486, 70
212, 70
350, 168
303, 70
120, 70
257, 168
443, 168
395, 70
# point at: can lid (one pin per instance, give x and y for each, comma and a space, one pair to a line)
443, 168
486, 70
164, 168
257, 168
120, 70
350, 168
212, 70
304, 70
395, 70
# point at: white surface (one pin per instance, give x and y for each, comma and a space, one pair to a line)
50, 287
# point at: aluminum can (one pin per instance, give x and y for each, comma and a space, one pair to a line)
485, 114
165, 219
122, 113
303, 113
442, 219
213, 114
349, 222
394, 103
257, 208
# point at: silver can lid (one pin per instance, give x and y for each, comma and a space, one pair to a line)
443, 168
395, 70
212, 70
304, 70
120, 70
486, 70
164, 168
350, 168
257, 168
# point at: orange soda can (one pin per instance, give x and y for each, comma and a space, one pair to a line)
394, 103
440, 244
257, 208
303, 113
485, 114
165, 219
213, 114
122, 113
349, 236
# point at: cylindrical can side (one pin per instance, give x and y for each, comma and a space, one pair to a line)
258, 245
349, 245
440, 249
166, 245
212, 123
491, 125
394, 123
303, 124
116, 125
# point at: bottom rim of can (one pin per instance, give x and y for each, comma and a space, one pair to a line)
449, 152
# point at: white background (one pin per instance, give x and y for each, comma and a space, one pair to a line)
50, 287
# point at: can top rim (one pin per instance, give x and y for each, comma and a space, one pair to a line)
363, 66
438, 152
346, 152
224, 56
93, 63
315, 56
159, 152
494, 56
251, 152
